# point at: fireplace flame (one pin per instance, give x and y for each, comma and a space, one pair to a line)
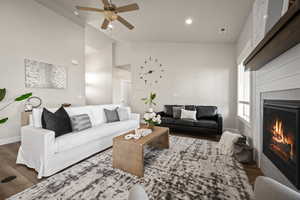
277, 131
280, 138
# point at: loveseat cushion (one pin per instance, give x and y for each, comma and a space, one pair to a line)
206, 124
169, 110
190, 107
206, 111
167, 120
75, 139
184, 122
177, 111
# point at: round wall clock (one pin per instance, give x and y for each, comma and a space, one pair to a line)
152, 71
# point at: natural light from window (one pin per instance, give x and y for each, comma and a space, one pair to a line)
243, 93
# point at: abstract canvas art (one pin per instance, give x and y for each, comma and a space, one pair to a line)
44, 75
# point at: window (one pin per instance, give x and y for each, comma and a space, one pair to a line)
243, 93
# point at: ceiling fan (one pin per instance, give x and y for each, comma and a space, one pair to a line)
111, 11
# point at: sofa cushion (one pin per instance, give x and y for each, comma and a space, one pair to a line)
59, 122
167, 120
206, 111
206, 124
75, 139
95, 113
81, 110
169, 110
123, 113
80, 122
184, 122
190, 107
98, 114
188, 114
177, 111
111, 115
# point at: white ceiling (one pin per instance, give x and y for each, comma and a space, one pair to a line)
163, 20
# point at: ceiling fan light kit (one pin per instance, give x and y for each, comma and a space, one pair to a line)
111, 11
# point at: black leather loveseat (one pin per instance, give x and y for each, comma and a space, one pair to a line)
208, 120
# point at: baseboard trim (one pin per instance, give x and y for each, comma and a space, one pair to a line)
10, 140
231, 130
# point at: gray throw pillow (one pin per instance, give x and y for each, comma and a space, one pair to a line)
123, 113
177, 111
111, 115
80, 122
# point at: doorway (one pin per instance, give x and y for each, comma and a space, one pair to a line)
122, 85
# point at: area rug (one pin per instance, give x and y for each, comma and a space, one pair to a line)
190, 169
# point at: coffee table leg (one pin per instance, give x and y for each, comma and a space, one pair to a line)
161, 142
128, 157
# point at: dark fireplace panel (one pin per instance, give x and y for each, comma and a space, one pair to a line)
281, 136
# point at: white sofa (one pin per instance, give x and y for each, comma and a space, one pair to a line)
48, 155
267, 188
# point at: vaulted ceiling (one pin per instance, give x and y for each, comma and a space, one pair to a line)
164, 20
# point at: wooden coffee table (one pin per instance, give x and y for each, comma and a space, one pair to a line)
128, 155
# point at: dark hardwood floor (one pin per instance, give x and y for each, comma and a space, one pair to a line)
27, 177
8, 167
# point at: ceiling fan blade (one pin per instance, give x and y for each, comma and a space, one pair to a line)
128, 8
125, 22
105, 2
89, 9
105, 24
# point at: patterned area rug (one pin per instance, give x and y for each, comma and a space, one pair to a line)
190, 169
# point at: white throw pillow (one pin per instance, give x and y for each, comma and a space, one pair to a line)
188, 114
226, 143
124, 113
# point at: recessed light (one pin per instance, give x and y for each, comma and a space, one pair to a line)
76, 12
189, 21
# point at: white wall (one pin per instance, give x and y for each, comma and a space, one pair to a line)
203, 74
244, 38
30, 30
119, 75
99, 62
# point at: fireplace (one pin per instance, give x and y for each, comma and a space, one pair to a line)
281, 137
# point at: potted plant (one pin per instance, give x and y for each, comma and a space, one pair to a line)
150, 101
18, 99
152, 119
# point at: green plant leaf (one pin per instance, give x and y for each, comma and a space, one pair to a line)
144, 99
2, 93
2, 121
23, 97
152, 96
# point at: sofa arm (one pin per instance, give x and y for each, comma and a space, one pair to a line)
161, 113
135, 116
37, 141
219, 120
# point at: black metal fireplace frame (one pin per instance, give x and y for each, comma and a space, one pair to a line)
292, 106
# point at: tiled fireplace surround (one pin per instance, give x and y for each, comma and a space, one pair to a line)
279, 79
